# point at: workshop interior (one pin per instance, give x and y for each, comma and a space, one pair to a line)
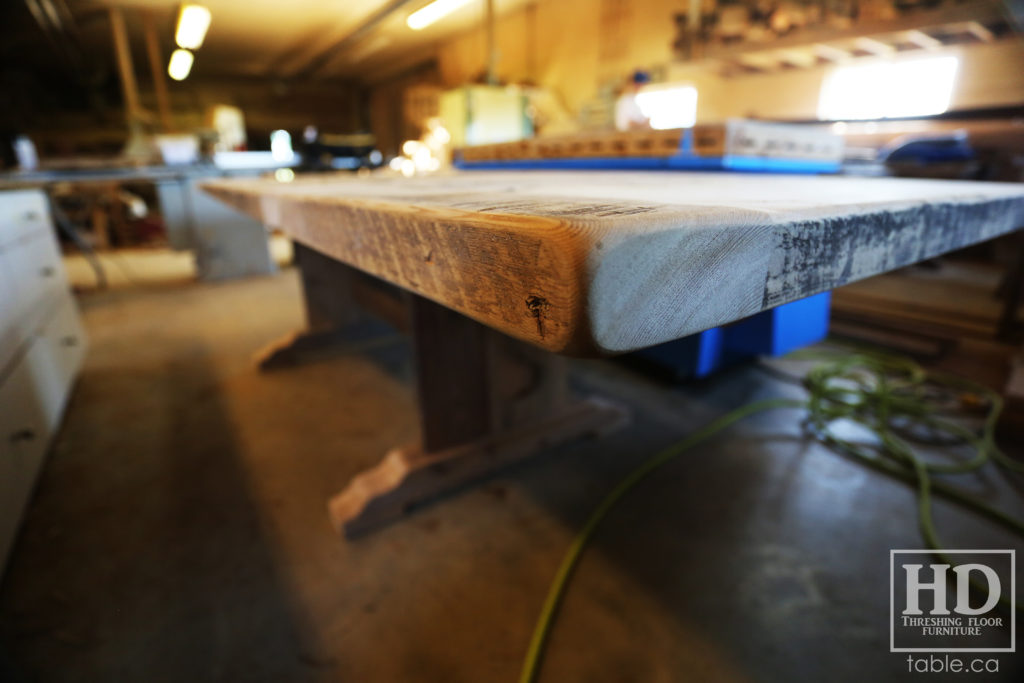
511, 340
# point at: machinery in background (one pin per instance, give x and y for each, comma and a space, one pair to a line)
485, 114
333, 152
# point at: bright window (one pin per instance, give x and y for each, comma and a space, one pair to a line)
880, 90
668, 107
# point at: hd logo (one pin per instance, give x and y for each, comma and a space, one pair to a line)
936, 606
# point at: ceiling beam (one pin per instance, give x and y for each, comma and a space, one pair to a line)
123, 53
57, 25
156, 66
319, 60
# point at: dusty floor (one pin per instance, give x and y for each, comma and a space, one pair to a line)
179, 532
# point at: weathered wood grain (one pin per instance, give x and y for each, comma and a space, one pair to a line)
604, 262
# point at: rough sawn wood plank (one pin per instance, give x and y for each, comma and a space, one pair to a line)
606, 262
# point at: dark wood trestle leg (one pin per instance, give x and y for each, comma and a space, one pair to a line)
337, 298
485, 400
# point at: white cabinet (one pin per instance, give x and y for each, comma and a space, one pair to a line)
42, 345
20, 422
9, 305
24, 435
58, 353
23, 213
37, 276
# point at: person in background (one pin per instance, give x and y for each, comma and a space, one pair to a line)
628, 115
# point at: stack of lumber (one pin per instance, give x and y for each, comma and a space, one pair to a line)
736, 137
948, 301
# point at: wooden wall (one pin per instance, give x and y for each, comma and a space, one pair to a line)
570, 46
331, 106
574, 47
387, 112
989, 75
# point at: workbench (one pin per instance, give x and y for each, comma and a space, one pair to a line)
225, 243
499, 274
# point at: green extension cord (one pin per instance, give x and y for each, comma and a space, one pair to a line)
887, 395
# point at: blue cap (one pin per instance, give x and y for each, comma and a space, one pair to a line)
640, 76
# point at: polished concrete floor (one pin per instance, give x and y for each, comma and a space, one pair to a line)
179, 532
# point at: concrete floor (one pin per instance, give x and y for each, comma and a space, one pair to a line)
179, 531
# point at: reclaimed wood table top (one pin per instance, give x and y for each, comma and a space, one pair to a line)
605, 262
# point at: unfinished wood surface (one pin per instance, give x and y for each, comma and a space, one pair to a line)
606, 262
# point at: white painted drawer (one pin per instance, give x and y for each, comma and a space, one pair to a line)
36, 275
24, 438
60, 351
10, 335
43, 262
23, 214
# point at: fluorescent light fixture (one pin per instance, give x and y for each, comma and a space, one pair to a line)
668, 107
193, 20
425, 16
879, 90
180, 64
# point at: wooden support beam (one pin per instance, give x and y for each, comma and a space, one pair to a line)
156, 66
324, 56
1012, 290
122, 51
492, 45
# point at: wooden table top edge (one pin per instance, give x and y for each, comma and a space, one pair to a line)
525, 277
550, 281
